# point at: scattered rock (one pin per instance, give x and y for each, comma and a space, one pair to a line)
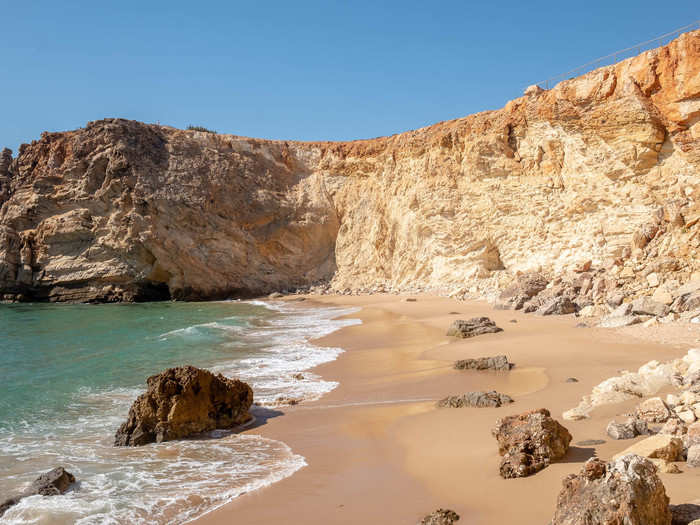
52, 483
590, 442
630, 428
627, 491
499, 362
571, 380
619, 322
476, 399
661, 446
298, 376
685, 514
557, 306
410, 300
473, 327
440, 517
275, 295
513, 321
674, 427
529, 441
183, 401
287, 401
647, 306
653, 410
526, 286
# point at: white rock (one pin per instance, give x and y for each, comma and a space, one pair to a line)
688, 416
653, 279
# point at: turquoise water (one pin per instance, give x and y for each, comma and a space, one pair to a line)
70, 372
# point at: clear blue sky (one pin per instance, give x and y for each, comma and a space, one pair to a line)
297, 69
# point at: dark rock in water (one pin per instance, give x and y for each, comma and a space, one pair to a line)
476, 399
571, 380
499, 362
684, 514
184, 401
473, 327
590, 442
52, 483
440, 517
528, 442
626, 491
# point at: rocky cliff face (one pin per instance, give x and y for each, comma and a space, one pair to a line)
604, 167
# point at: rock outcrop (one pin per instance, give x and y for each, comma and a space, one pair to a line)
490, 399
529, 442
184, 401
52, 483
473, 327
498, 362
625, 491
597, 175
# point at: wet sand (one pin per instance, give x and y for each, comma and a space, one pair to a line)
379, 451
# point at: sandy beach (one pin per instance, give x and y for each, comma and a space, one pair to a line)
380, 451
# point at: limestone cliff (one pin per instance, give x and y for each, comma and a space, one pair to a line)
604, 167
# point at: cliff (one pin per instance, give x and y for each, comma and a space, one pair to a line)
601, 168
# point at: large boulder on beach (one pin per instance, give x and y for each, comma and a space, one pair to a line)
498, 362
627, 491
529, 442
184, 401
524, 288
52, 483
473, 327
660, 446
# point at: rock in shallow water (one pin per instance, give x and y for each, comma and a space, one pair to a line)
528, 442
499, 362
51, 483
476, 399
473, 327
626, 491
184, 401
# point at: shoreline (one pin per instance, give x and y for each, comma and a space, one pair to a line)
377, 445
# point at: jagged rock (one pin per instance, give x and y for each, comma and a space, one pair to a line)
473, 327
627, 491
499, 362
687, 302
184, 401
557, 306
647, 306
653, 410
685, 514
52, 483
525, 287
476, 399
440, 517
674, 427
660, 446
529, 442
628, 429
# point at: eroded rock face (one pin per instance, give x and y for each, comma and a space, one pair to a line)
499, 362
184, 401
601, 167
476, 399
52, 483
529, 442
473, 327
625, 491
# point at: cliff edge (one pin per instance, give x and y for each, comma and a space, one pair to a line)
601, 171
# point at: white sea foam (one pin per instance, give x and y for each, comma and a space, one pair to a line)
176, 481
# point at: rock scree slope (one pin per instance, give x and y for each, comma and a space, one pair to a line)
600, 167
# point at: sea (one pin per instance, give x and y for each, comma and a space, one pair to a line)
69, 373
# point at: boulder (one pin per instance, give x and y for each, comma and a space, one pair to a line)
660, 446
499, 362
52, 483
557, 306
525, 287
628, 429
529, 442
619, 322
184, 401
473, 327
685, 514
694, 434
627, 491
440, 517
687, 302
476, 399
674, 427
693, 456
653, 410
647, 306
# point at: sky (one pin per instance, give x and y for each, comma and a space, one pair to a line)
304, 70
